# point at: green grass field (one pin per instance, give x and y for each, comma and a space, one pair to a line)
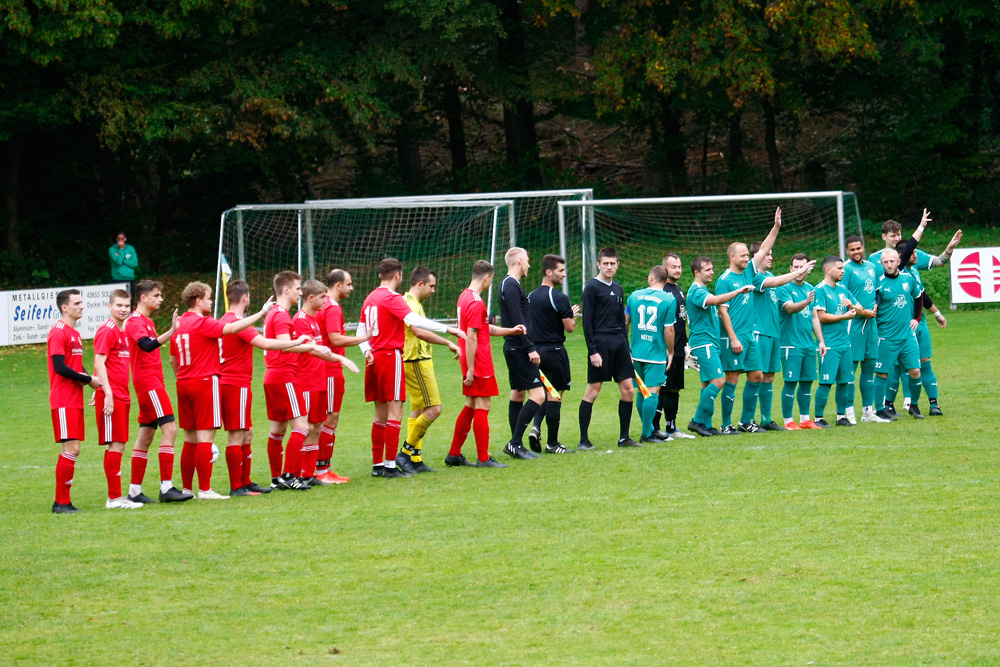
871, 545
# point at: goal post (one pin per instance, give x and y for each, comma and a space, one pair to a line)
643, 230
257, 241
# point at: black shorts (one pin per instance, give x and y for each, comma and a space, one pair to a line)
675, 374
616, 360
555, 364
523, 374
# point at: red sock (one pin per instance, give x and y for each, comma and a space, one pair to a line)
327, 436
462, 426
234, 463
188, 464
274, 453
481, 429
65, 467
293, 453
391, 440
378, 443
247, 457
139, 461
203, 462
166, 456
113, 472
310, 454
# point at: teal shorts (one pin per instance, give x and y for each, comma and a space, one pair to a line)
798, 364
904, 352
709, 362
837, 366
747, 360
864, 339
769, 349
924, 340
652, 374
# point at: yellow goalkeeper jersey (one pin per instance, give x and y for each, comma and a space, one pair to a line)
413, 347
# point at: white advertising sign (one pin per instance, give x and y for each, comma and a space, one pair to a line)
975, 275
27, 315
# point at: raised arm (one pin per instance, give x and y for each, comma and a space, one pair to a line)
247, 322
778, 281
720, 299
768, 242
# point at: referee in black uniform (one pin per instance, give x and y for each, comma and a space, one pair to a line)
550, 317
670, 391
520, 354
604, 329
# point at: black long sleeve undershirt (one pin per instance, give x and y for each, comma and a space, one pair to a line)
927, 300
904, 256
60, 367
147, 344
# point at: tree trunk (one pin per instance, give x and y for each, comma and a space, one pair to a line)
518, 109
408, 162
672, 151
771, 144
734, 142
11, 177
452, 103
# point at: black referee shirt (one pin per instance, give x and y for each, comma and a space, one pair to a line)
603, 311
514, 311
680, 326
547, 307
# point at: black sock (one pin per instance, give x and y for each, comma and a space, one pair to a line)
525, 417
933, 401
671, 402
513, 410
586, 409
540, 415
661, 403
553, 412
624, 418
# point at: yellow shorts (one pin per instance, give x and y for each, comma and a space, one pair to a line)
421, 385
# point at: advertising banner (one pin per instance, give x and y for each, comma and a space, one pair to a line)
27, 315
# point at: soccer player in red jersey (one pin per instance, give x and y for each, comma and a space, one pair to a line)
155, 410
285, 402
310, 379
112, 400
479, 381
66, 379
384, 315
235, 391
194, 356
331, 324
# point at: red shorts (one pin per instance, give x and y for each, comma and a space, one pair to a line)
198, 407
384, 379
67, 424
315, 406
154, 405
113, 427
334, 392
284, 402
236, 402
481, 387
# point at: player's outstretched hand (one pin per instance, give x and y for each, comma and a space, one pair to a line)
807, 269
351, 366
455, 350
576, 311
777, 217
268, 305
925, 218
458, 333
595, 360
175, 321
955, 240
745, 289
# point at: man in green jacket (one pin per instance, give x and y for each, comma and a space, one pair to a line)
124, 262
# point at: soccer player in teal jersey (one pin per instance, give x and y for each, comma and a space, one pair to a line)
899, 311
798, 347
836, 310
860, 276
766, 330
703, 338
651, 314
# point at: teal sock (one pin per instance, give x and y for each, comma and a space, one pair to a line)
805, 396
843, 397
728, 401
822, 395
766, 397
914, 387
787, 400
647, 412
706, 405
892, 385
880, 383
928, 380
750, 393
639, 398
866, 382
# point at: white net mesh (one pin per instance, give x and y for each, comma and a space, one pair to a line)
644, 232
313, 239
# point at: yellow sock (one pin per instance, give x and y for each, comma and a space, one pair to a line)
415, 435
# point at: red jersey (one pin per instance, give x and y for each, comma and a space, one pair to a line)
311, 372
113, 343
382, 314
331, 320
280, 366
472, 313
63, 392
196, 345
147, 369
237, 354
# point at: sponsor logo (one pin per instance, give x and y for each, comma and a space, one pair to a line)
978, 276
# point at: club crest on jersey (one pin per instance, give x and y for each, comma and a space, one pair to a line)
869, 286
906, 285
774, 296
900, 302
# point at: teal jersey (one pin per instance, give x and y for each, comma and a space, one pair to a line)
796, 328
860, 279
912, 271
924, 261
650, 312
895, 306
703, 320
741, 310
836, 335
767, 319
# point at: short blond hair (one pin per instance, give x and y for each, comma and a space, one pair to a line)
193, 292
513, 255
312, 288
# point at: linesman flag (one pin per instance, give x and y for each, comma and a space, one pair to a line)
227, 273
